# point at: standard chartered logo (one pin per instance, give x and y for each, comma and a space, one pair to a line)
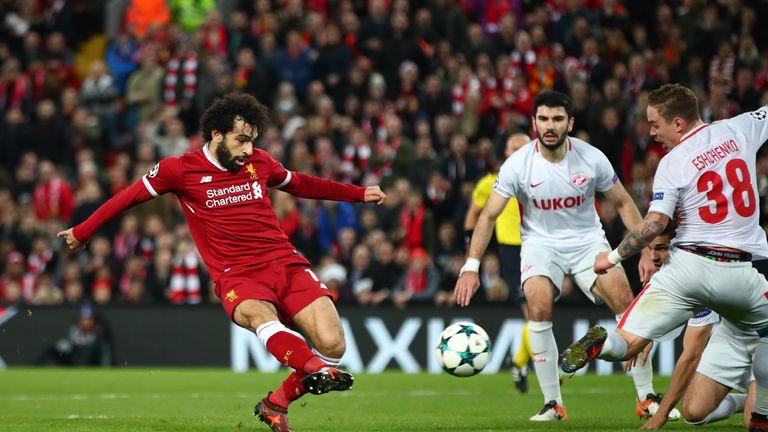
233, 194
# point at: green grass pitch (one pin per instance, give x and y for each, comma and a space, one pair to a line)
219, 400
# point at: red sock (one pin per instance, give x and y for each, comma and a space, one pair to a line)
292, 351
290, 390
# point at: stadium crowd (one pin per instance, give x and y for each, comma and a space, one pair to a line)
418, 96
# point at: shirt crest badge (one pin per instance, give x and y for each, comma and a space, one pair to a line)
252, 171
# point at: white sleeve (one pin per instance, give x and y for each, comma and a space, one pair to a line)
606, 176
754, 125
665, 189
704, 318
506, 182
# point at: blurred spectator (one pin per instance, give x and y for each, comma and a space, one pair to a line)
53, 197
306, 237
140, 15
190, 13
419, 283
15, 88
252, 76
286, 211
385, 275
294, 64
15, 135
167, 135
359, 274
334, 276
15, 281
144, 87
331, 217
48, 137
334, 59
46, 293
122, 60
185, 275
87, 343
417, 225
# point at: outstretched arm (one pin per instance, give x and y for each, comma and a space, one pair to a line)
134, 194
694, 341
307, 186
653, 225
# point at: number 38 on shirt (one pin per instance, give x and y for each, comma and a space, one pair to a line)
742, 196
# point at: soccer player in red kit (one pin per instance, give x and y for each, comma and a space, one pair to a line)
262, 281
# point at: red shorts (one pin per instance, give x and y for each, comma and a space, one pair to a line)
288, 282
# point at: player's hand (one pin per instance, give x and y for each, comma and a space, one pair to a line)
646, 353
71, 240
645, 267
643, 356
657, 421
466, 287
374, 194
602, 265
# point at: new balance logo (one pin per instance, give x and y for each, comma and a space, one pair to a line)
206, 179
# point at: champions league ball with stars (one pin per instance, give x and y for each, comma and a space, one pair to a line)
463, 349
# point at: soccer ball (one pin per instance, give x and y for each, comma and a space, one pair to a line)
463, 349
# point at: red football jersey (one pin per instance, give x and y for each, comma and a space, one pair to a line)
229, 214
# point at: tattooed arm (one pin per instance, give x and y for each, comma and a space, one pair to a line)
653, 225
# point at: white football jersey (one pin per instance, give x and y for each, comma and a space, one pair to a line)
710, 178
557, 200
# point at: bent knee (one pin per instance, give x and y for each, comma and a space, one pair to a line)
334, 347
694, 414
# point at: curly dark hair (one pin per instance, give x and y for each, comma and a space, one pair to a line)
220, 116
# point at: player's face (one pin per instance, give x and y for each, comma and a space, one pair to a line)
659, 249
236, 146
662, 131
552, 126
514, 143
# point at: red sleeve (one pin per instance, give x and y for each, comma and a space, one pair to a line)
163, 177
134, 194
307, 186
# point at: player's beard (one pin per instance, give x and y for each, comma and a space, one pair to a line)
557, 144
227, 159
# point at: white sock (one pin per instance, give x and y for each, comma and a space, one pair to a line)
642, 375
330, 360
760, 370
545, 354
614, 348
731, 403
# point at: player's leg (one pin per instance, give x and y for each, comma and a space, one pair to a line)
540, 296
521, 359
705, 401
261, 317
725, 364
285, 345
613, 288
749, 405
509, 256
759, 419
319, 322
664, 305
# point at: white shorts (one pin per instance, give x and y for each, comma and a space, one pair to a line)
728, 355
538, 260
688, 283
